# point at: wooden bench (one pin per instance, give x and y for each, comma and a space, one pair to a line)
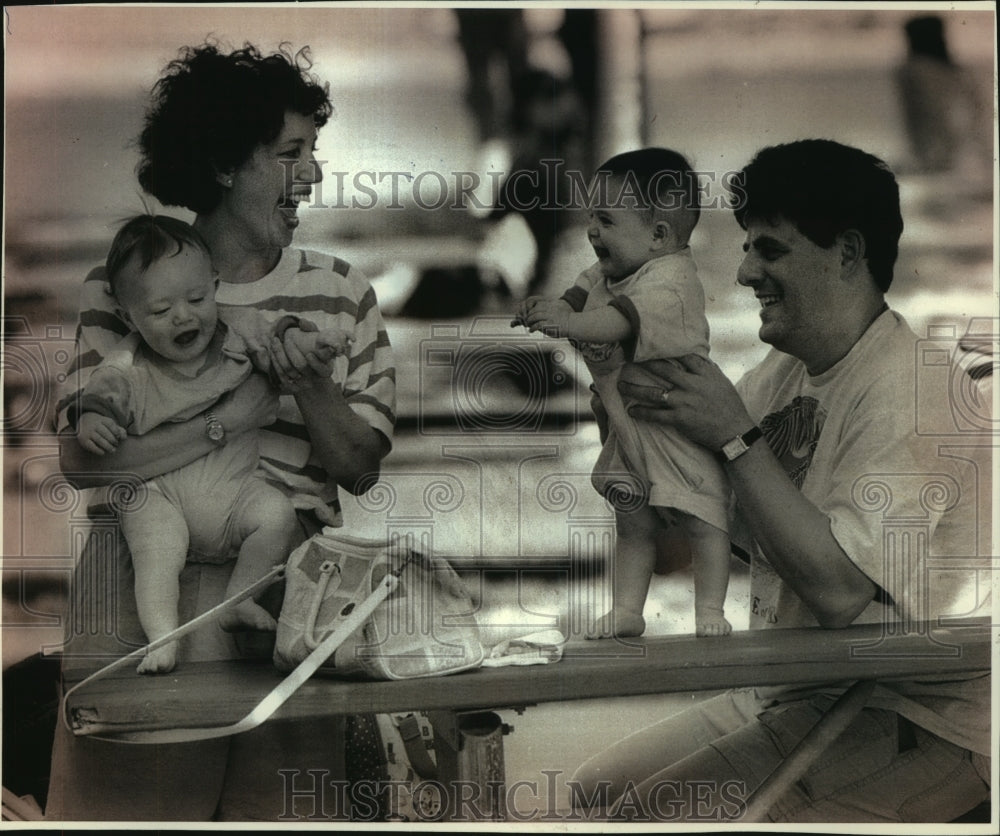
461, 706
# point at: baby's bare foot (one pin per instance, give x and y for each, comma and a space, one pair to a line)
617, 624
161, 660
247, 615
712, 625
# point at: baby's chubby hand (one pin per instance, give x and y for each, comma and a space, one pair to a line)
523, 309
98, 433
549, 316
321, 345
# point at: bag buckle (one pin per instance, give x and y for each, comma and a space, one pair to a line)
328, 569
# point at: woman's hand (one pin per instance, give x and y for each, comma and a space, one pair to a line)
297, 369
691, 394
348, 448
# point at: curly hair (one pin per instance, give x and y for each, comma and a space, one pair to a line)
210, 110
826, 188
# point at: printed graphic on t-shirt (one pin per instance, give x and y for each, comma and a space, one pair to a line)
792, 434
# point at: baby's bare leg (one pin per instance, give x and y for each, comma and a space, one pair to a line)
710, 562
157, 536
631, 570
270, 530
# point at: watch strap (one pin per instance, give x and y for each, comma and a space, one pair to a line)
745, 440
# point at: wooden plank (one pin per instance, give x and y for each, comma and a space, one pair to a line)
214, 693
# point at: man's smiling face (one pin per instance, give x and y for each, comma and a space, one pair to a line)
797, 283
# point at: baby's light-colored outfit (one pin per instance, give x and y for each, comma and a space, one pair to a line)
140, 390
665, 304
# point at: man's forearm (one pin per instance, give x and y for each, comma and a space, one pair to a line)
795, 537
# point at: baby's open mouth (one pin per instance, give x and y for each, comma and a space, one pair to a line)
601, 252
186, 337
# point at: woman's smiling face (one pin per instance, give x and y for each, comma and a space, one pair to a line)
266, 190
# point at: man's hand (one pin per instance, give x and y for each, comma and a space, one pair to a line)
691, 394
600, 414
99, 434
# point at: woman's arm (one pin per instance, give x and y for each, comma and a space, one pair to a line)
792, 532
161, 450
169, 446
349, 449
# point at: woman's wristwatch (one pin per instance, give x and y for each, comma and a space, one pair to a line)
213, 426
736, 447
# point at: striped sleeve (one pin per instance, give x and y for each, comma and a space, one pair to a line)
370, 385
98, 331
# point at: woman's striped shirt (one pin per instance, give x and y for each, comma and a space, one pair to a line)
313, 286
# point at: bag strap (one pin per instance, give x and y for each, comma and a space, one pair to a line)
327, 570
416, 749
272, 701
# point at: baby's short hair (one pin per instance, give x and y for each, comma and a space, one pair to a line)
664, 178
148, 238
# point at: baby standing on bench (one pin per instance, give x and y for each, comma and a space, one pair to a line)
642, 300
179, 360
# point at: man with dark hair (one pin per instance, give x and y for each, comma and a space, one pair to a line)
818, 441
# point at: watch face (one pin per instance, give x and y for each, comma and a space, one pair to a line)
733, 448
215, 432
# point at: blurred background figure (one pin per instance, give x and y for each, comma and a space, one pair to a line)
531, 90
494, 44
547, 143
941, 106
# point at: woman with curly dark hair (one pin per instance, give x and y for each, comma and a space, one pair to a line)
230, 137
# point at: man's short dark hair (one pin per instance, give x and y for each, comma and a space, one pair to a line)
826, 188
148, 238
664, 177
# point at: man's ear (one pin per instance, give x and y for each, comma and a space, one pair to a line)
852, 250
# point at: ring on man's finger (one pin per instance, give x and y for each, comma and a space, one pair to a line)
664, 394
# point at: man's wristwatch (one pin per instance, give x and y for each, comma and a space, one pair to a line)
736, 447
213, 426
